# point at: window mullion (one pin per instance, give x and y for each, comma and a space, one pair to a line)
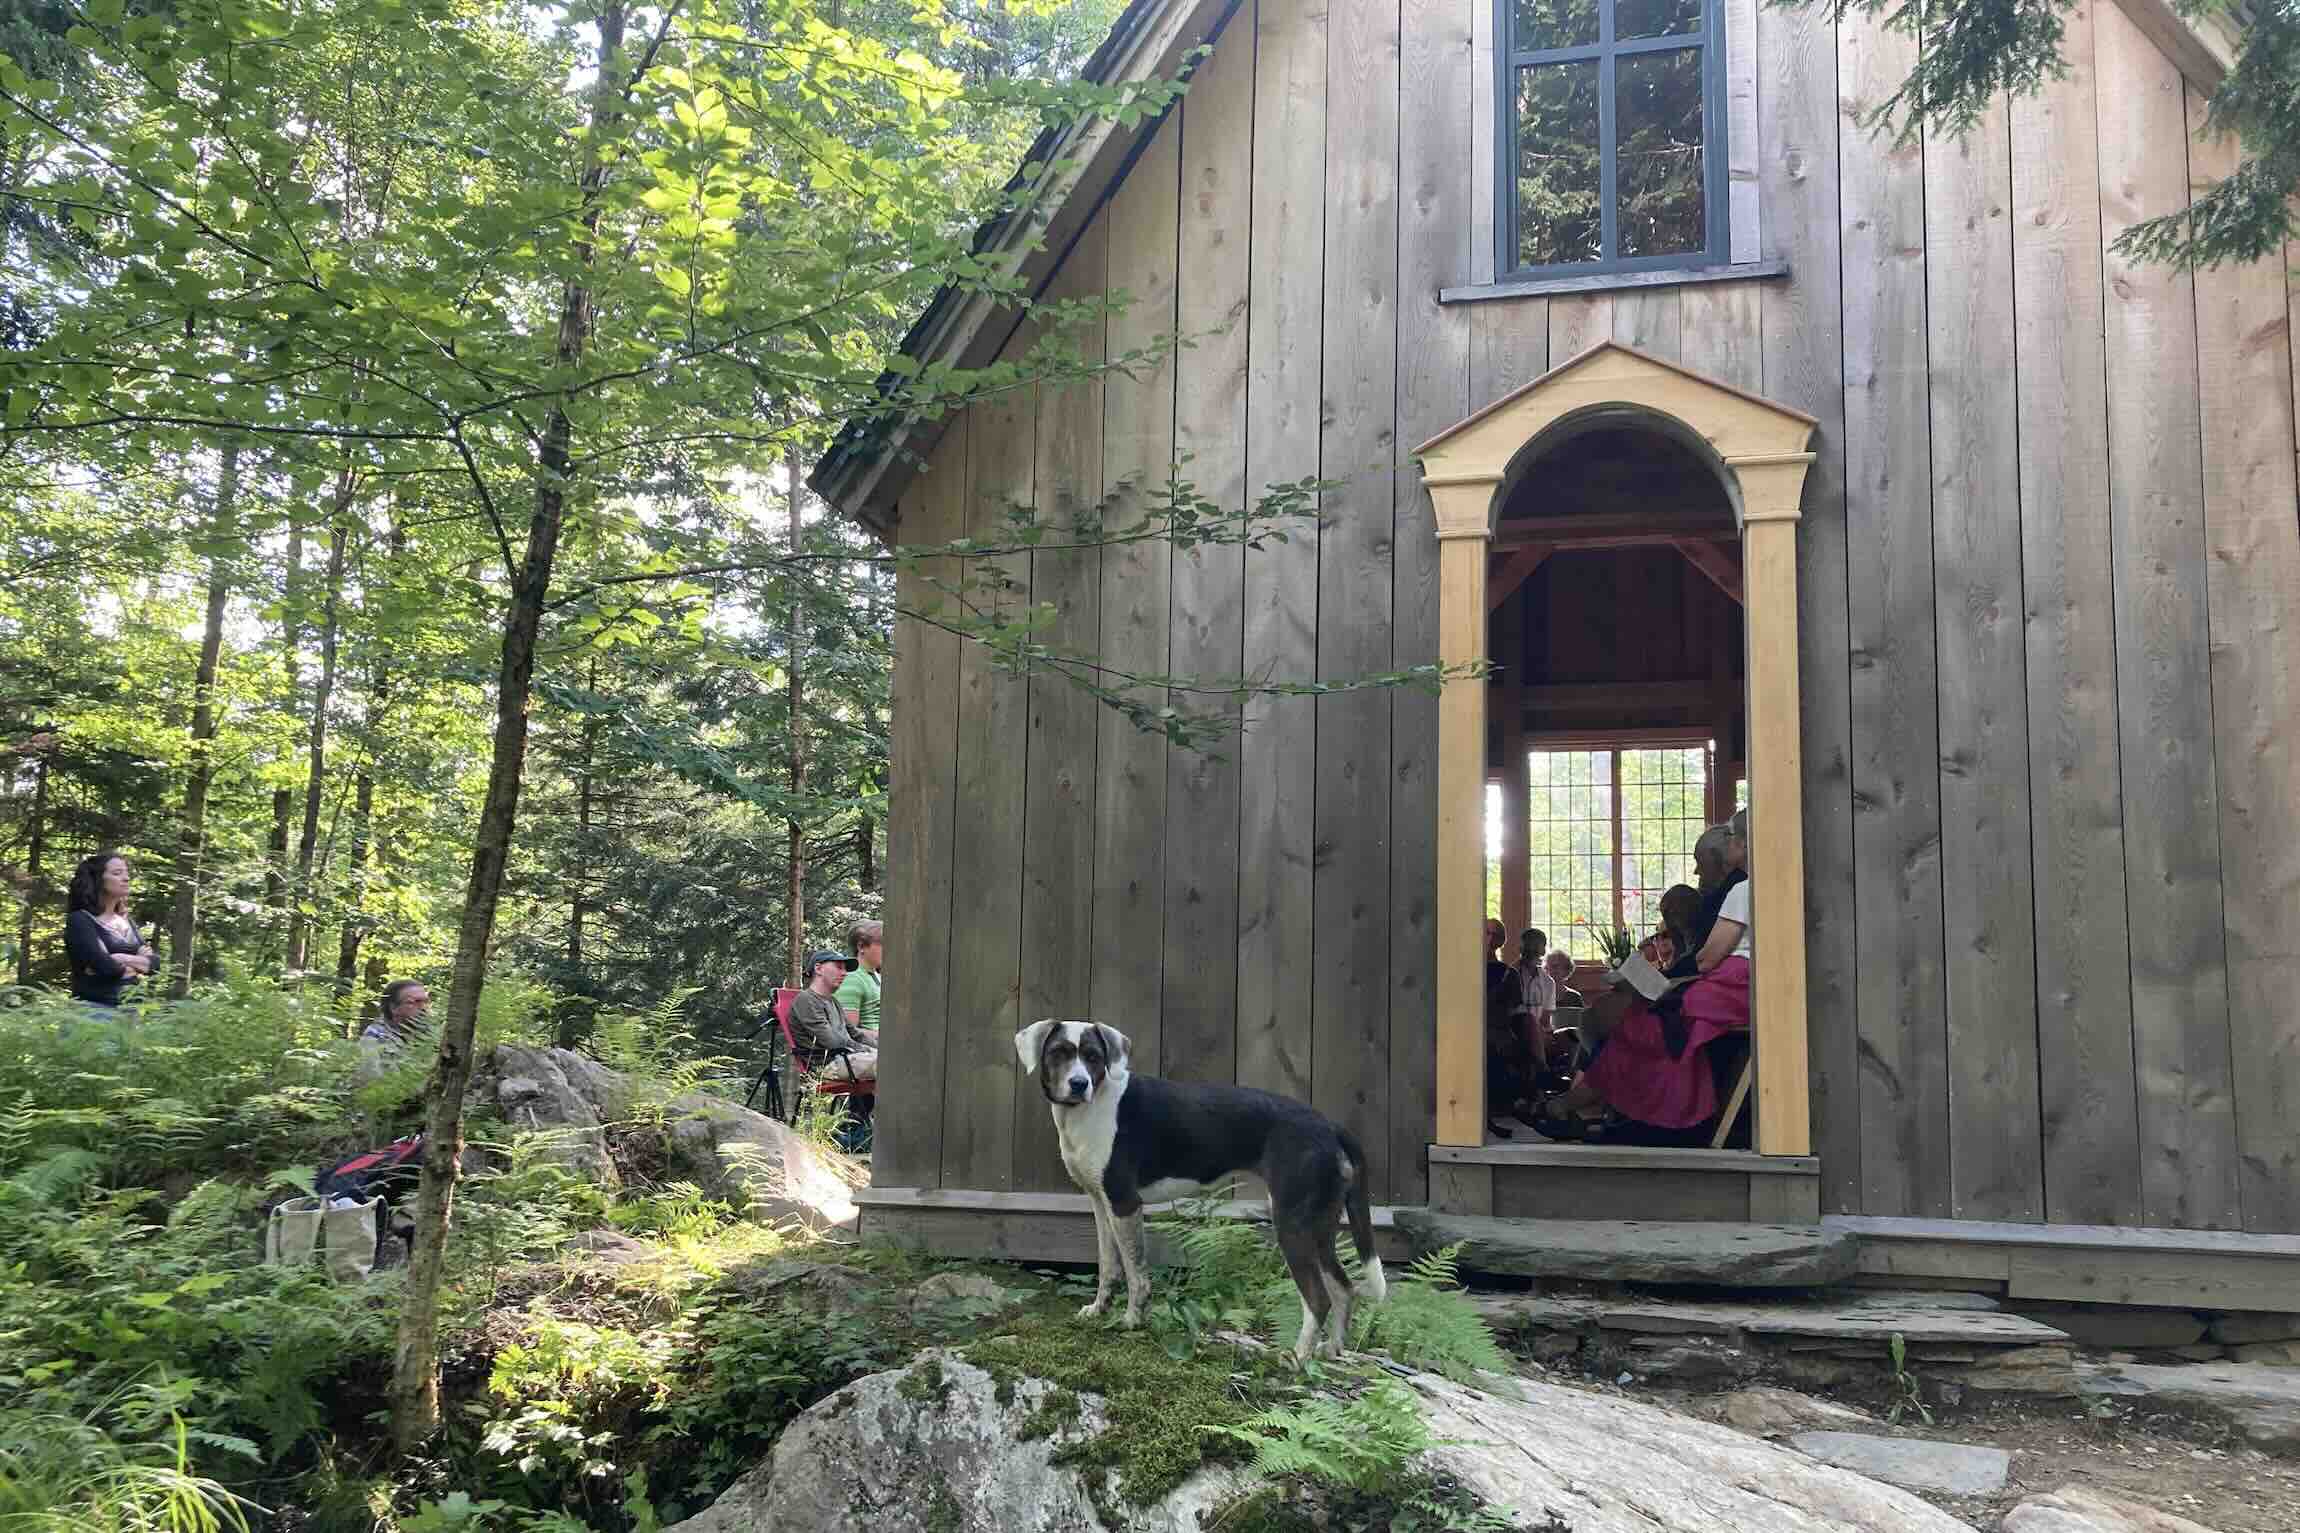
1618, 923
1608, 235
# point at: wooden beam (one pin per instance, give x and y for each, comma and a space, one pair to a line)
1609, 529
2202, 49
1776, 828
1569, 697
1461, 820
1711, 559
1511, 573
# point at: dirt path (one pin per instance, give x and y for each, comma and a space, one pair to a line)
2167, 1462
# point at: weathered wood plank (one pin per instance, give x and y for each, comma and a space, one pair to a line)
1744, 200
1509, 348
2175, 1279
921, 831
1895, 743
1578, 321
1723, 333
1058, 816
2163, 678
2252, 542
1650, 321
986, 924
1277, 755
1485, 149
1554, 1193
2090, 1130
1996, 1168
1459, 1189
1200, 971
1614, 281
1350, 878
1804, 366
1137, 458
1437, 182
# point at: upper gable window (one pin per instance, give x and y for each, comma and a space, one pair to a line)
1612, 114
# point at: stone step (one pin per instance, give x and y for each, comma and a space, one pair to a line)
1715, 1255
2261, 1403
1860, 1324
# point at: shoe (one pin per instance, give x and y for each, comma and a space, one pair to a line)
1494, 1128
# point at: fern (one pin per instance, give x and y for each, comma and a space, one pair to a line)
1232, 1275
1428, 1323
1366, 1443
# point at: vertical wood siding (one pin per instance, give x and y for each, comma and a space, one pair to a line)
2089, 1111
2049, 627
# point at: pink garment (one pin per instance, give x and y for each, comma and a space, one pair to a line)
1634, 1072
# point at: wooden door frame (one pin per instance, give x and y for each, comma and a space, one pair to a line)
1760, 452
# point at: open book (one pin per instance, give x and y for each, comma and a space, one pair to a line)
1639, 975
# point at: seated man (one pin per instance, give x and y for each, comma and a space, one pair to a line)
826, 1045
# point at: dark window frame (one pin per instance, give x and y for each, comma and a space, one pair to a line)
1709, 37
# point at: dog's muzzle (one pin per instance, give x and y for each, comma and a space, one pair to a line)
1076, 1091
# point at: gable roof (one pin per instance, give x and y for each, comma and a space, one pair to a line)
875, 454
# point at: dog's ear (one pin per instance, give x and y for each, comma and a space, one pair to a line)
1031, 1040
1117, 1046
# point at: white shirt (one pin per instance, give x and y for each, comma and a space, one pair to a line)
1537, 991
1736, 909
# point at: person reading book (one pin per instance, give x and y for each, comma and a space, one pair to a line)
1652, 1071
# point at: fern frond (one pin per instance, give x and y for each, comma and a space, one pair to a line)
1367, 1443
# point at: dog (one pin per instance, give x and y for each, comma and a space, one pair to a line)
1132, 1139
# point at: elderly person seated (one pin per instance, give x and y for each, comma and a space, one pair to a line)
1651, 1077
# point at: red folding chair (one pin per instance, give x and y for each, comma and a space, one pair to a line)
860, 1093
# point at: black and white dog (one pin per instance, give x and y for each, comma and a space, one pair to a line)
1133, 1139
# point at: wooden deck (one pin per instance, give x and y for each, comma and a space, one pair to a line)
2216, 1270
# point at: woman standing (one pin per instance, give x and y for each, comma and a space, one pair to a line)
108, 952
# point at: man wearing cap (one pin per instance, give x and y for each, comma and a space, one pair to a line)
820, 1028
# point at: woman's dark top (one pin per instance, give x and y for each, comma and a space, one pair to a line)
1704, 918
92, 944
1673, 1028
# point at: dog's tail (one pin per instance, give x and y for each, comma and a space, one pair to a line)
1375, 1286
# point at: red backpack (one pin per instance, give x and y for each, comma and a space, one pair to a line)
386, 1173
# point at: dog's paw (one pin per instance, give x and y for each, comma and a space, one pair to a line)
1092, 1311
1131, 1320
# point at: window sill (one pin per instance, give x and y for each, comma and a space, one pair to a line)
1615, 281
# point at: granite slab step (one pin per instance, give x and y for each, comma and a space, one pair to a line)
1913, 1463
1717, 1255
1860, 1324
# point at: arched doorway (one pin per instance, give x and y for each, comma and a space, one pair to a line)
1758, 453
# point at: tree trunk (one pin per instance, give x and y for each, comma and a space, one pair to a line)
183, 922
355, 919
276, 885
315, 780
571, 1011
796, 834
864, 855
32, 858
415, 1367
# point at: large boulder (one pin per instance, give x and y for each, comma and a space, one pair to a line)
934, 1448
740, 1157
937, 1447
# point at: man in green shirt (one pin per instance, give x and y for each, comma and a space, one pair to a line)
859, 991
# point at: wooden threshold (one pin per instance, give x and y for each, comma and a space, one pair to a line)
1626, 1158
